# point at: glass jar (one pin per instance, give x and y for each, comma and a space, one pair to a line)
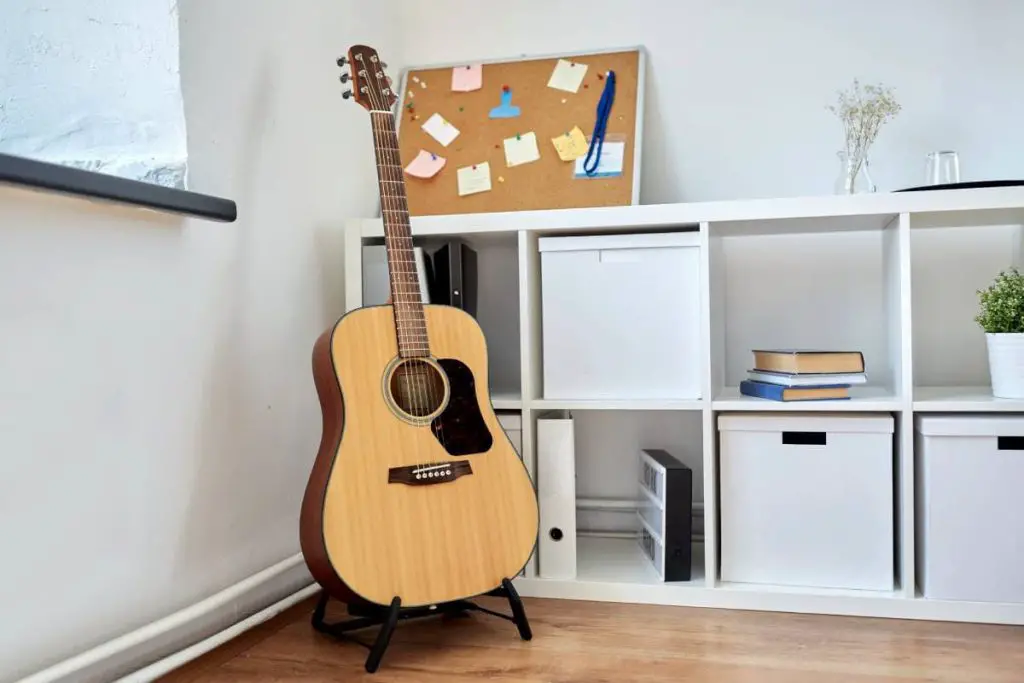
854, 176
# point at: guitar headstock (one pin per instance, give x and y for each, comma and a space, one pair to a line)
371, 86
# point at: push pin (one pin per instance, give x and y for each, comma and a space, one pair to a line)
600, 77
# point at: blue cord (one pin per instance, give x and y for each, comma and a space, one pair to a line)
604, 108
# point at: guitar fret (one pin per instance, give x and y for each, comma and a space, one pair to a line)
407, 303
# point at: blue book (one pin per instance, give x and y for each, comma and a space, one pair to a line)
777, 392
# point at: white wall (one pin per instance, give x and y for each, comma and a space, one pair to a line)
737, 89
736, 108
157, 412
94, 83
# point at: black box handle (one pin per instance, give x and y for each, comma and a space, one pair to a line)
803, 438
1010, 443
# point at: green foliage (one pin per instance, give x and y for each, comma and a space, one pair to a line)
1002, 304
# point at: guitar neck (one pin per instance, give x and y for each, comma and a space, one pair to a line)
406, 299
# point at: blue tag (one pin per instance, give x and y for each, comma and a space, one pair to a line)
505, 110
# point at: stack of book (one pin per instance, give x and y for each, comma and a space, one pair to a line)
803, 375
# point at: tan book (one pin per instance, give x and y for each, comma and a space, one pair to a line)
808, 361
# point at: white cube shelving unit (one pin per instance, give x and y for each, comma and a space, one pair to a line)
891, 274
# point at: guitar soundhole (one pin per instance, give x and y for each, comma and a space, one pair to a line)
418, 388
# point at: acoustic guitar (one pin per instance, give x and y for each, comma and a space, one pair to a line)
416, 492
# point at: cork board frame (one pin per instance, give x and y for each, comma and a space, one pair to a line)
547, 183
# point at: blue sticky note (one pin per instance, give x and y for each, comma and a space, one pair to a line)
505, 110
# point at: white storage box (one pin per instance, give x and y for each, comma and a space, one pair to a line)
969, 510
807, 500
621, 316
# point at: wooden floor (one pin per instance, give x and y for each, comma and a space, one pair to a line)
615, 643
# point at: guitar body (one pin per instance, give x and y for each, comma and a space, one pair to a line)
416, 491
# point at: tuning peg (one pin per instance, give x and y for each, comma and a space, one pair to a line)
384, 65
344, 78
342, 61
347, 94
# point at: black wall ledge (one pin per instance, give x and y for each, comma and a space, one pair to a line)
41, 175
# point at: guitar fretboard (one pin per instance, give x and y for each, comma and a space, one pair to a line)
410, 322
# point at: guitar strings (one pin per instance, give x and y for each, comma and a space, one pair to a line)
394, 263
426, 397
418, 387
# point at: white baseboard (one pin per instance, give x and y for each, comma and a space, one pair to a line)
222, 615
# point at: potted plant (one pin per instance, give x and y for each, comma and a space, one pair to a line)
1001, 316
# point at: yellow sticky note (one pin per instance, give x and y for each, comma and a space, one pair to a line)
570, 146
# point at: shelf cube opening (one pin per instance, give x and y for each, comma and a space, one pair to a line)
480, 276
829, 291
589, 485
948, 267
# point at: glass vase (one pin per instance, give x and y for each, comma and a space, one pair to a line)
854, 175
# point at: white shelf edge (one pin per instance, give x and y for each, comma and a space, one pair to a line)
614, 404
503, 400
894, 605
957, 399
864, 399
1003, 203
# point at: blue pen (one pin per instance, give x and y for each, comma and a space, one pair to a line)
604, 108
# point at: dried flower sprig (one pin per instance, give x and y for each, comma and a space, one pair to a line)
863, 110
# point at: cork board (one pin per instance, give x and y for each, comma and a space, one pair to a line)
548, 183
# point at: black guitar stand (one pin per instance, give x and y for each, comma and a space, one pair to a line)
387, 618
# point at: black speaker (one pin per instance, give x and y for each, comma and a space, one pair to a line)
453, 276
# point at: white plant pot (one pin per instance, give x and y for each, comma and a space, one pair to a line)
1006, 364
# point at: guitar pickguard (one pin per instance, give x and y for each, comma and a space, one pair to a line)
460, 428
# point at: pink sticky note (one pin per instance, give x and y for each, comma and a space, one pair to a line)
425, 165
466, 78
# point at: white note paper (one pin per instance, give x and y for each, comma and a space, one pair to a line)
567, 75
475, 178
610, 163
521, 149
440, 129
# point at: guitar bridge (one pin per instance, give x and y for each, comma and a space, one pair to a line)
429, 473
